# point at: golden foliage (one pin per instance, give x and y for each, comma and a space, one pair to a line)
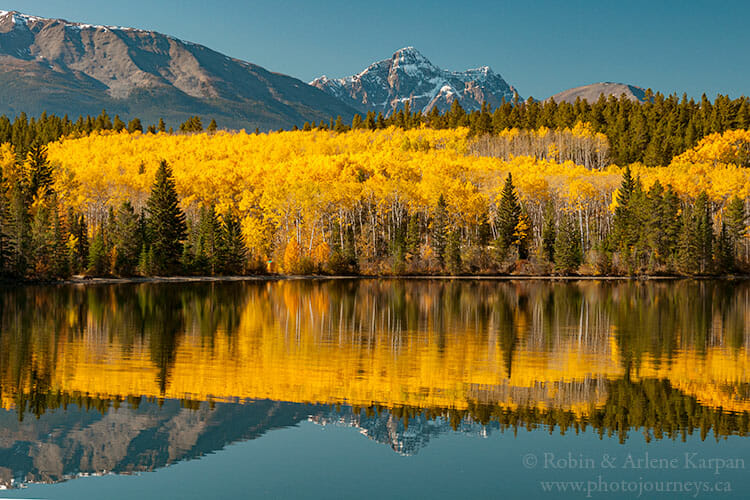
296, 184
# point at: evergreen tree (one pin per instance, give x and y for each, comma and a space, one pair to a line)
625, 230
161, 127
166, 219
60, 256
507, 219
233, 249
736, 221
724, 258
98, 260
118, 125
704, 233
688, 261
42, 241
79, 251
568, 255
135, 126
453, 253
126, 240
38, 172
212, 127
439, 229
18, 231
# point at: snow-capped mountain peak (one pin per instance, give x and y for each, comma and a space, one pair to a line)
408, 76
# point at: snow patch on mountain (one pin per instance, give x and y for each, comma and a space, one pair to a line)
409, 77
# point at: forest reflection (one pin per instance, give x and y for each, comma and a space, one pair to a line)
664, 358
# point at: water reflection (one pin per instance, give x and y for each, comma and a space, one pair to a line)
401, 359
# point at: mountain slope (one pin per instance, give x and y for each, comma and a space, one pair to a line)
64, 67
386, 86
592, 92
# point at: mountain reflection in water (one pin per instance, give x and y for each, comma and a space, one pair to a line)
128, 378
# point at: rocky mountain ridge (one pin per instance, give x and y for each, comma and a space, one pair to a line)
409, 77
71, 68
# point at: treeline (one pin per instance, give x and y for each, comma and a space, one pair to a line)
39, 241
24, 132
652, 132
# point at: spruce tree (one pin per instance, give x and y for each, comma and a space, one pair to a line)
233, 249
166, 220
736, 221
506, 221
704, 233
439, 229
39, 173
688, 260
568, 255
453, 253
18, 231
135, 125
98, 263
126, 241
724, 260
60, 256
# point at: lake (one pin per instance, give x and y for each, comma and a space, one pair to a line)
366, 388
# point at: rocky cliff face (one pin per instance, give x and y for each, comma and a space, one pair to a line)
409, 77
64, 67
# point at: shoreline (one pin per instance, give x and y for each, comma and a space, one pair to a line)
283, 277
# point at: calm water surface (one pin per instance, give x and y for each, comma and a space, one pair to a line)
367, 388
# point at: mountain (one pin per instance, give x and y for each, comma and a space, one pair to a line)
64, 67
408, 76
592, 92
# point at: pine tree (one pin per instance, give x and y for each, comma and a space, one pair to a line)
568, 255
118, 125
79, 251
439, 229
688, 261
135, 125
161, 127
212, 127
5, 249
704, 232
126, 241
42, 241
18, 231
60, 256
233, 249
507, 219
622, 221
98, 261
39, 173
453, 253
724, 258
166, 220
736, 221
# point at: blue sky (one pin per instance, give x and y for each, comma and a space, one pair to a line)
539, 47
